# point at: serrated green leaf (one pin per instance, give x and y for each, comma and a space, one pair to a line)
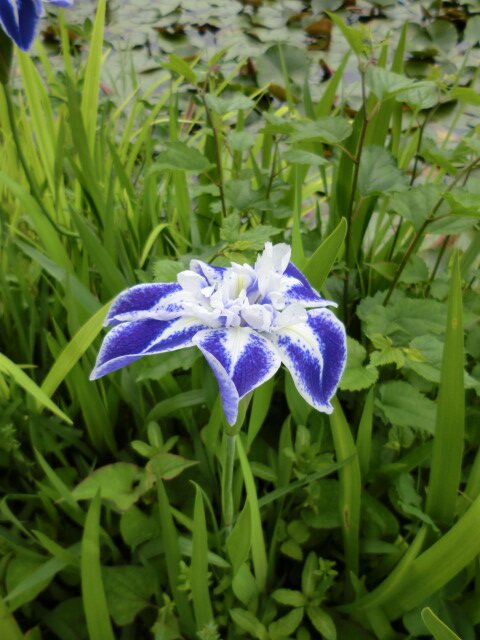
128, 590
416, 204
298, 156
179, 156
403, 405
330, 130
121, 483
378, 172
356, 376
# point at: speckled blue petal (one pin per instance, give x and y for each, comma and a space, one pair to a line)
296, 288
241, 360
211, 273
61, 3
130, 341
315, 353
20, 19
159, 300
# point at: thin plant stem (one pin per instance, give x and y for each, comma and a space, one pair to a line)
412, 177
218, 156
431, 218
227, 498
356, 160
230, 436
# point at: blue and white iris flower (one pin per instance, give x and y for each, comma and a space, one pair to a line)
20, 18
246, 320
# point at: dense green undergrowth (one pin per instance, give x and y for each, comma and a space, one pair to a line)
358, 525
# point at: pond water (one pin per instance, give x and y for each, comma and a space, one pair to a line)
441, 43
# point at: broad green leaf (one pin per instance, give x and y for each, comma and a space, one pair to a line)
136, 527
240, 194
416, 204
93, 592
168, 465
179, 156
383, 82
168, 362
357, 376
330, 130
223, 105
378, 172
298, 156
423, 95
121, 483
128, 590
402, 404
244, 585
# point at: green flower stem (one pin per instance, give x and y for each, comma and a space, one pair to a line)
230, 437
227, 501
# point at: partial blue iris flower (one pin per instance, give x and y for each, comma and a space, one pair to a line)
20, 18
246, 320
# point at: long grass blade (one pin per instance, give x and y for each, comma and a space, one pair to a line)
259, 553
94, 599
199, 576
350, 486
447, 453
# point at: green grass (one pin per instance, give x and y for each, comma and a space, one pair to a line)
361, 525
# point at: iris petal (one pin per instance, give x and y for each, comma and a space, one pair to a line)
296, 288
161, 300
211, 273
241, 360
130, 341
20, 20
314, 352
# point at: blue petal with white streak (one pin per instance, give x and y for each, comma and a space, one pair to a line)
159, 300
20, 19
296, 288
241, 360
315, 353
129, 341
